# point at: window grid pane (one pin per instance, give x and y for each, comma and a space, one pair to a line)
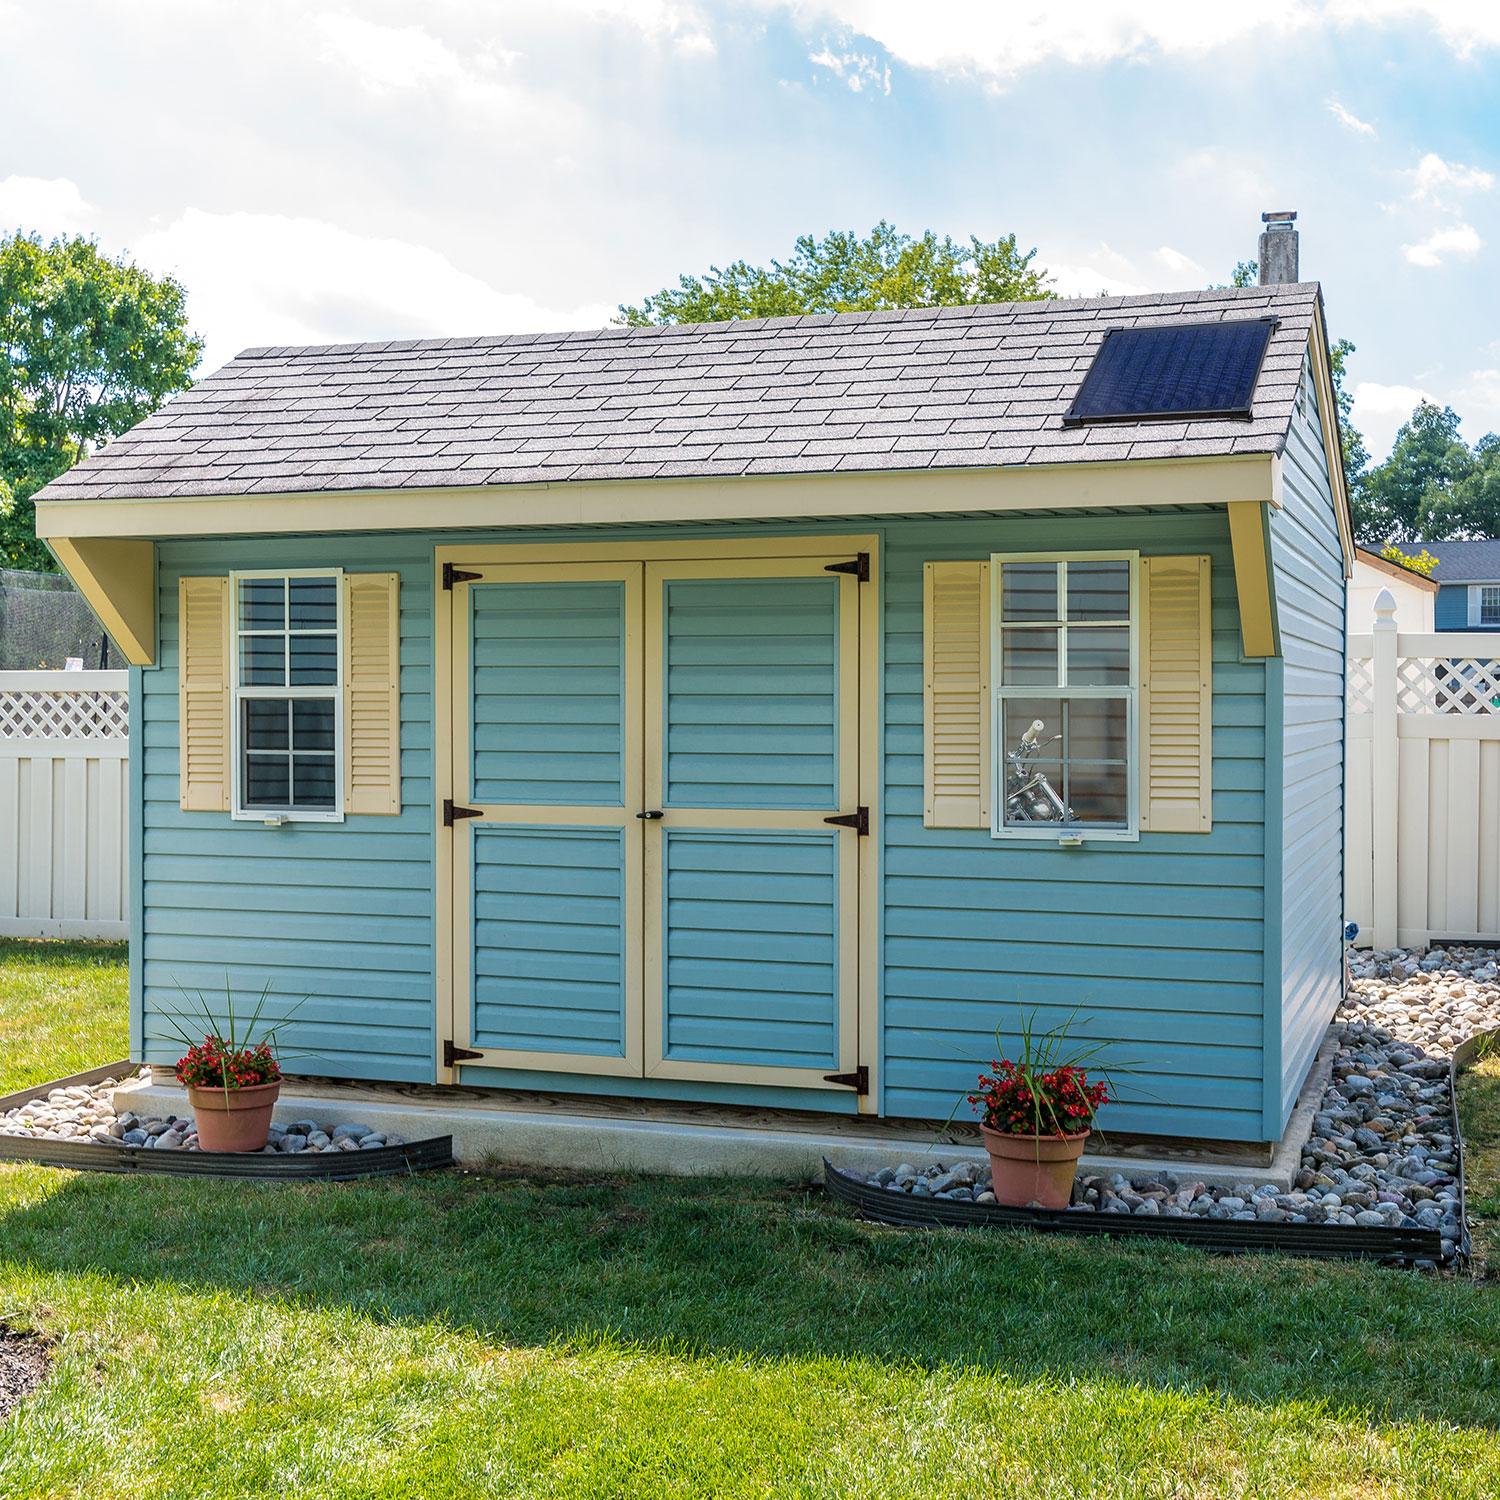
287, 750
1065, 633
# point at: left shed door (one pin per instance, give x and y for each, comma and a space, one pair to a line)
547, 691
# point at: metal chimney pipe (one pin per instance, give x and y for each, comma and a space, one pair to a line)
1278, 248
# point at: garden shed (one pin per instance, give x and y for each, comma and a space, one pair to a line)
753, 713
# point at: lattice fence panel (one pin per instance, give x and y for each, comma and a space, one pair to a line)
1448, 685
52, 714
1359, 686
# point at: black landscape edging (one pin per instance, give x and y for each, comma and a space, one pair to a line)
299, 1166
1401, 1247
1466, 1053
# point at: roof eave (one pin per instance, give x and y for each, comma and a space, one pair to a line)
1142, 483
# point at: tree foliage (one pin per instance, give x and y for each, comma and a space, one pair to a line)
846, 272
89, 346
1434, 486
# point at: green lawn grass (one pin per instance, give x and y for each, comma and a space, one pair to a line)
62, 1009
458, 1335
1479, 1108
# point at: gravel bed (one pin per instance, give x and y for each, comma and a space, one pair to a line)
85, 1115
23, 1367
1382, 1149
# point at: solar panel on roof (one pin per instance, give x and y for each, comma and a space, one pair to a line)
1182, 370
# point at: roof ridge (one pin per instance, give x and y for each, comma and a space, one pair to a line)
857, 316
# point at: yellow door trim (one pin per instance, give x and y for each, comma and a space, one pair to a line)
456, 844
860, 764
676, 819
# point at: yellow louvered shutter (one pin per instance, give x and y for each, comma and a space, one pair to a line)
956, 694
372, 694
203, 693
1176, 695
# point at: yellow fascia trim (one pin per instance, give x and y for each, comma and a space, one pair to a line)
1322, 373
614, 502
1250, 539
118, 578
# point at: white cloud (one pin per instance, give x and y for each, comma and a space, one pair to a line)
270, 279
390, 58
1478, 400
1379, 411
1458, 241
1349, 120
48, 206
1000, 42
859, 70
1434, 180
1178, 264
1104, 272
679, 23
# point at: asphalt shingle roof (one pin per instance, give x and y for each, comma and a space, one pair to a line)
932, 388
1461, 562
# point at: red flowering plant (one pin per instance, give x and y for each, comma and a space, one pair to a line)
1045, 1090
235, 1052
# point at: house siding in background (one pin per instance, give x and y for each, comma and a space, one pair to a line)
1305, 809
1156, 945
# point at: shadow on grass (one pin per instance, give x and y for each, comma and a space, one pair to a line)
743, 1269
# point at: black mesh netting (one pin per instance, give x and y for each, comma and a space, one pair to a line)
44, 621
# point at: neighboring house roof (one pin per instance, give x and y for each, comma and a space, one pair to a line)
953, 387
1394, 570
1462, 562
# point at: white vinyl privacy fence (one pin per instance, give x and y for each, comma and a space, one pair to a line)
64, 804
1422, 815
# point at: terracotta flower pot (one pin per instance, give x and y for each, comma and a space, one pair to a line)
1033, 1168
233, 1119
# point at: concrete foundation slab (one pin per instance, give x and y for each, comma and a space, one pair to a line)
493, 1128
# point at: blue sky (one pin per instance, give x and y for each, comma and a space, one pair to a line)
324, 171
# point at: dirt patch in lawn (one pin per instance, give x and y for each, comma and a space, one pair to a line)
23, 1367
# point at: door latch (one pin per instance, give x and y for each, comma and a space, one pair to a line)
653, 816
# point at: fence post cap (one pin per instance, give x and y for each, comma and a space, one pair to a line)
1385, 610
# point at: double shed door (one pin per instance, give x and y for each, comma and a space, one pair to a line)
649, 885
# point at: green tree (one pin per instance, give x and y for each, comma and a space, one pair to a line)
844, 272
1431, 487
89, 345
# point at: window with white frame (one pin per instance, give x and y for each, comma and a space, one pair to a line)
1065, 673
1489, 604
287, 677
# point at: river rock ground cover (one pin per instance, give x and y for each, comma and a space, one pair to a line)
1382, 1149
85, 1115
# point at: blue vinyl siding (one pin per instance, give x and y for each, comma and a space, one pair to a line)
752, 692
1304, 986
1156, 945
337, 918
548, 662
752, 947
549, 939
1451, 607
1159, 946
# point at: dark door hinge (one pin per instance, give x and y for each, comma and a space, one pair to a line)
859, 566
452, 575
858, 1080
859, 821
452, 1054
452, 812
